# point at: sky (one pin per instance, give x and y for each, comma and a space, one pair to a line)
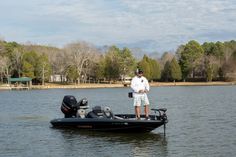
154, 25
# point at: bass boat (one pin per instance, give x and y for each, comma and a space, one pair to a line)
103, 119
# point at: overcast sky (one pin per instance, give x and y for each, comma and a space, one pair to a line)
168, 23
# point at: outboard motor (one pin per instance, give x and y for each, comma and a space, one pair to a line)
69, 106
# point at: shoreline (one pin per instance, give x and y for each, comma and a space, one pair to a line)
120, 85
193, 83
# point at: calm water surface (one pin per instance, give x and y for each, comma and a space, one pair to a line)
202, 122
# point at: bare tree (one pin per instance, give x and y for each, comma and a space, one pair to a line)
2, 47
58, 60
4, 70
80, 55
17, 60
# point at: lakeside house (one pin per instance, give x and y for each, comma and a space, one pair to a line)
57, 78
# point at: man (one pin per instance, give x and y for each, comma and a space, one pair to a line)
140, 87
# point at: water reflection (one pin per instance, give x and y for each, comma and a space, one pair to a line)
114, 144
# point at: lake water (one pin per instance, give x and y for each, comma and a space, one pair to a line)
202, 122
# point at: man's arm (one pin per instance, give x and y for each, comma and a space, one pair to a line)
147, 86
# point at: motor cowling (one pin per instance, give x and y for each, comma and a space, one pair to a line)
69, 106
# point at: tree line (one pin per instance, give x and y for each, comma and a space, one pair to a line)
82, 62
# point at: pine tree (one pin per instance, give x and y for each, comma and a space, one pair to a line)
175, 70
145, 66
155, 69
166, 72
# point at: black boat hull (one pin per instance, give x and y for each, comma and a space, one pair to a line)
125, 123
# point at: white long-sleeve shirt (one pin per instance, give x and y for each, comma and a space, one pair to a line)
138, 84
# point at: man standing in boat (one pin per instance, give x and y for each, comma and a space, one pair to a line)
140, 87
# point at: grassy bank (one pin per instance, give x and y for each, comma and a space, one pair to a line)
192, 83
84, 85
119, 85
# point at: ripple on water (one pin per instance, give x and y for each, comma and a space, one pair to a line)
202, 122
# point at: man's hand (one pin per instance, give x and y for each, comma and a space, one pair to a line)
141, 91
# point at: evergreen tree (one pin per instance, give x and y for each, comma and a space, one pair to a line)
166, 72
175, 70
150, 67
30, 60
144, 64
112, 66
189, 58
155, 69
72, 74
99, 70
28, 70
209, 73
127, 62
118, 63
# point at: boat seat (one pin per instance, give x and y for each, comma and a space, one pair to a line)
108, 113
97, 112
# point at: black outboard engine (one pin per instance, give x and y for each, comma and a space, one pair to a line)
69, 106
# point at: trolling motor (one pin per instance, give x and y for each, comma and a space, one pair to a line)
162, 116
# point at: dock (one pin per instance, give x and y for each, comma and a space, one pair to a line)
22, 83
